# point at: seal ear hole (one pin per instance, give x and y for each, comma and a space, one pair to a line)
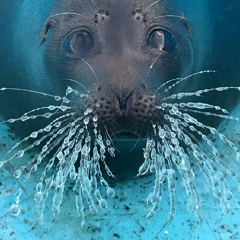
162, 40
78, 42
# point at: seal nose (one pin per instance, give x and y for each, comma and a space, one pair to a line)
123, 97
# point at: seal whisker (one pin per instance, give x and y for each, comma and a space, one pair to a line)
56, 97
68, 13
94, 3
188, 77
54, 124
193, 121
91, 69
53, 108
72, 80
142, 124
199, 92
61, 133
194, 105
113, 124
173, 134
138, 139
164, 146
114, 132
179, 80
108, 135
150, 68
214, 114
171, 16
152, 4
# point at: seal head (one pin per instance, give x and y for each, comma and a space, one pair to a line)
121, 54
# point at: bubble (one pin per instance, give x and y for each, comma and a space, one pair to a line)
38, 197
65, 100
19, 154
34, 134
57, 124
95, 118
57, 98
34, 168
39, 159
56, 210
63, 108
39, 187
110, 192
89, 110
47, 115
69, 90
102, 203
17, 173
88, 139
161, 133
86, 121
15, 209
111, 151
174, 109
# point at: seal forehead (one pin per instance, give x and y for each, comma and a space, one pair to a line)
119, 31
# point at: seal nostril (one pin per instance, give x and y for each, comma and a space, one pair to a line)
123, 97
123, 103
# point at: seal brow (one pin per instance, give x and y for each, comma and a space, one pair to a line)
51, 22
151, 5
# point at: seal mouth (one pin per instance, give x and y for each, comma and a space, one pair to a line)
124, 136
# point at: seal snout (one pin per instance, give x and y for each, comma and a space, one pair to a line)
123, 97
128, 110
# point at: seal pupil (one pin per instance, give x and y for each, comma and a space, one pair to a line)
162, 41
79, 42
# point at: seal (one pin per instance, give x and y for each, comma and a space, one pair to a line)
120, 66
129, 65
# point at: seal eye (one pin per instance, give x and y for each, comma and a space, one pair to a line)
79, 42
162, 41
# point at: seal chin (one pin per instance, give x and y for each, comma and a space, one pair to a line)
128, 158
125, 136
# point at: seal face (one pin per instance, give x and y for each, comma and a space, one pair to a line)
121, 58
123, 55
